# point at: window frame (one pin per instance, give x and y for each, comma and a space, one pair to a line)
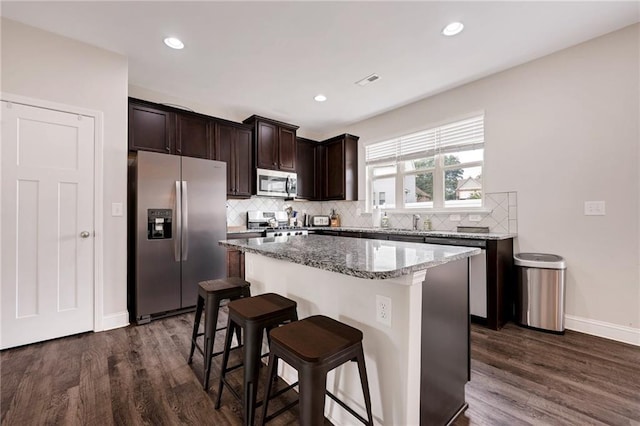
438, 202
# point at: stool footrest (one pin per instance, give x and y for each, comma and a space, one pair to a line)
235, 394
283, 390
346, 407
282, 410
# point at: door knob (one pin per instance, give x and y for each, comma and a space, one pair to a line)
84, 234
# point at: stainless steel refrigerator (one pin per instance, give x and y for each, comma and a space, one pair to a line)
177, 216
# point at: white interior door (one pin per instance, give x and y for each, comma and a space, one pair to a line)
46, 224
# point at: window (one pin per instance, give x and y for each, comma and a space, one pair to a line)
436, 168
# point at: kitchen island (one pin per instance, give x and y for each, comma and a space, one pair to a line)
410, 300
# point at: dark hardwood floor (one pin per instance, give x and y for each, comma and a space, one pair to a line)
139, 376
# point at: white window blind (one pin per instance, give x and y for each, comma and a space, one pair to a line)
461, 135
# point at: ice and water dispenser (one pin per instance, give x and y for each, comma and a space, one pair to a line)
159, 224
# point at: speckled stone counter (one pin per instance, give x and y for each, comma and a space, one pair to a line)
440, 234
363, 258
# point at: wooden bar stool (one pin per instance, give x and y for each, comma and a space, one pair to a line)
254, 315
314, 346
210, 294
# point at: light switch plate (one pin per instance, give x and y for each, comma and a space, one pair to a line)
454, 217
116, 209
594, 208
475, 218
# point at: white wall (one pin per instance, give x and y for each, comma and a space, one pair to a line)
42, 65
560, 131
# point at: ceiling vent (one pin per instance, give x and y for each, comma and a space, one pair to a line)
368, 79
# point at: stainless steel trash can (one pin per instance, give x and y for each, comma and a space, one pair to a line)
541, 291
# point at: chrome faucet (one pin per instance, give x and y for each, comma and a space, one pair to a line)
416, 220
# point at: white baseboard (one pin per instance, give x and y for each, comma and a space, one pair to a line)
607, 330
117, 320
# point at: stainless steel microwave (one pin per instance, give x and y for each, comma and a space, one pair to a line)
272, 183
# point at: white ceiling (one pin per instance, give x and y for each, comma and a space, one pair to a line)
272, 58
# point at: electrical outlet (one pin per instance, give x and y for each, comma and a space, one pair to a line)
454, 217
383, 310
475, 218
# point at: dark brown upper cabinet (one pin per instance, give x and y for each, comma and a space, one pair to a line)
340, 168
151, 129
275, 143
307, 169
233, 146
193, 136
159, 128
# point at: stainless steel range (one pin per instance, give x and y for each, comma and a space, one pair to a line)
274, 223
285, 231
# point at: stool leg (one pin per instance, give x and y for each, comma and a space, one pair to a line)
210, 325
271, 375
252, 346
225, 360
196, 325
312, 387
362, 369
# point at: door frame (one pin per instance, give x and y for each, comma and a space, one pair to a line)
98, 193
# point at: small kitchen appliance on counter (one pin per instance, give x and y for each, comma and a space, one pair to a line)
320, 220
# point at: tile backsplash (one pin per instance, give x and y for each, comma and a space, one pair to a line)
502, 217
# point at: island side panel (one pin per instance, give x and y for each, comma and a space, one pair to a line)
445, 342
391, 353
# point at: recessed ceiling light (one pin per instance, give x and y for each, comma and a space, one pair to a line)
452, 29
320, 98
173, 43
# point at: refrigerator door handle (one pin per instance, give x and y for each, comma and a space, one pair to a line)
185, 221
177, 223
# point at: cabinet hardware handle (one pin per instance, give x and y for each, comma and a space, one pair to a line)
167, 148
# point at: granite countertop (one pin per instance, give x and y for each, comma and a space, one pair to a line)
364, 258
442, 234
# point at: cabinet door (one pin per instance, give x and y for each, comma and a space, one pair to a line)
243, 167
334, 170
192, 136
306, 169
267, 146
150, 129
235, 263
321, 172
287, 150
224, 152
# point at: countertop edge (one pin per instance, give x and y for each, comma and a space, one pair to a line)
374, 275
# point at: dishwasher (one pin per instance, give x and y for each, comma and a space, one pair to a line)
477, 272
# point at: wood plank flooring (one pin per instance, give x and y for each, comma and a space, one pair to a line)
139, 376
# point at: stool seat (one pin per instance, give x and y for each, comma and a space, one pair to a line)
222, 286
316, 338
314, 346
210, 294
260, 307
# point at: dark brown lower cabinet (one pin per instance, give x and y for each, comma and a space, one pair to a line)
235, 263
235, 258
